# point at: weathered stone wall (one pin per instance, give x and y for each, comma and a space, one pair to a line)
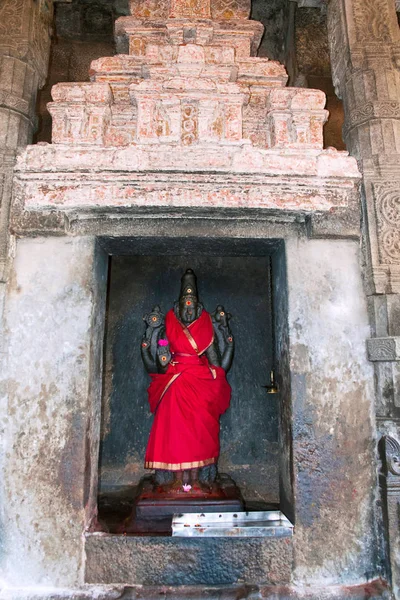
54, 319
332, 404
54, 404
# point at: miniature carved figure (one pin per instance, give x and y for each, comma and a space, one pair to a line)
187, 357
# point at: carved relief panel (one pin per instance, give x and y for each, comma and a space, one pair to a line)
231, 9
387, 206
371, 20
25, 31
191, 9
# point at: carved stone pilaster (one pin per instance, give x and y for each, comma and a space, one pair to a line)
365, 52
25, 32
24, 52
390, 487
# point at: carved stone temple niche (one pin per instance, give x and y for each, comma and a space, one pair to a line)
236, 274
187, 145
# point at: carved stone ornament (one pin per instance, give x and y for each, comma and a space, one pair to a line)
372, 110
392, 455
371, 20
192, 9
191, 89
383, 349
25, 32
11, 18
387, 206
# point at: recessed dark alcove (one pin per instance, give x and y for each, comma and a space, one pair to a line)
241, 275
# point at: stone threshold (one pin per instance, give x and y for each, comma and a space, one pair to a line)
367, 591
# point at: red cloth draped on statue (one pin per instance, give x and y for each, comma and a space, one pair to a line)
187, 400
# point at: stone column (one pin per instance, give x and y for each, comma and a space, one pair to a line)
24, 52
365, 55
54, 316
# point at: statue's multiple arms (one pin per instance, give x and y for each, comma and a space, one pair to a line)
227, 355
213, 355
154, 348
223, 338
148, 360
163, 356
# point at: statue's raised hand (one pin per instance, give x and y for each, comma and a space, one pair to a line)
223, 336
154, 321
221, 317
163, 354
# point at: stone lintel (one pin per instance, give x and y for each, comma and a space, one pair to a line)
54, 184
63, 178
384, 349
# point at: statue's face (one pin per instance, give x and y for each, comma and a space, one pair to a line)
188, 310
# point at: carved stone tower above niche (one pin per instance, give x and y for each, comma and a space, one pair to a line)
190, 73
192, 9
189, 78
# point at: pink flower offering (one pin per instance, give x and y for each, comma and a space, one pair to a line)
163, 342
186, 487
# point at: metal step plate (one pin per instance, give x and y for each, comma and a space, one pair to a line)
271, 523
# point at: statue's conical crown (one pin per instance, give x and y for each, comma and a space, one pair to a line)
188, 285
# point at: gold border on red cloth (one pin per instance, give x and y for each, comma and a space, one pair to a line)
179, 466
190, 338
170, 382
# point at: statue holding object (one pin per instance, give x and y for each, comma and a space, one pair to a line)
187, 355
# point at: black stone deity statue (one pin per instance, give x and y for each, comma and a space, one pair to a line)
187, 354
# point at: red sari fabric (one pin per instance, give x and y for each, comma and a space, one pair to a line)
187, 400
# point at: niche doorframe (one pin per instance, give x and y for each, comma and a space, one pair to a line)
239, 247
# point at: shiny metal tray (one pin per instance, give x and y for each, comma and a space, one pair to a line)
271, 523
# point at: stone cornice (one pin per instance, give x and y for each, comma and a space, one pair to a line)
207, 158
59, 180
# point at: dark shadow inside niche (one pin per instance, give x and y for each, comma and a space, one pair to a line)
83, 32
310, 66
237, 275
